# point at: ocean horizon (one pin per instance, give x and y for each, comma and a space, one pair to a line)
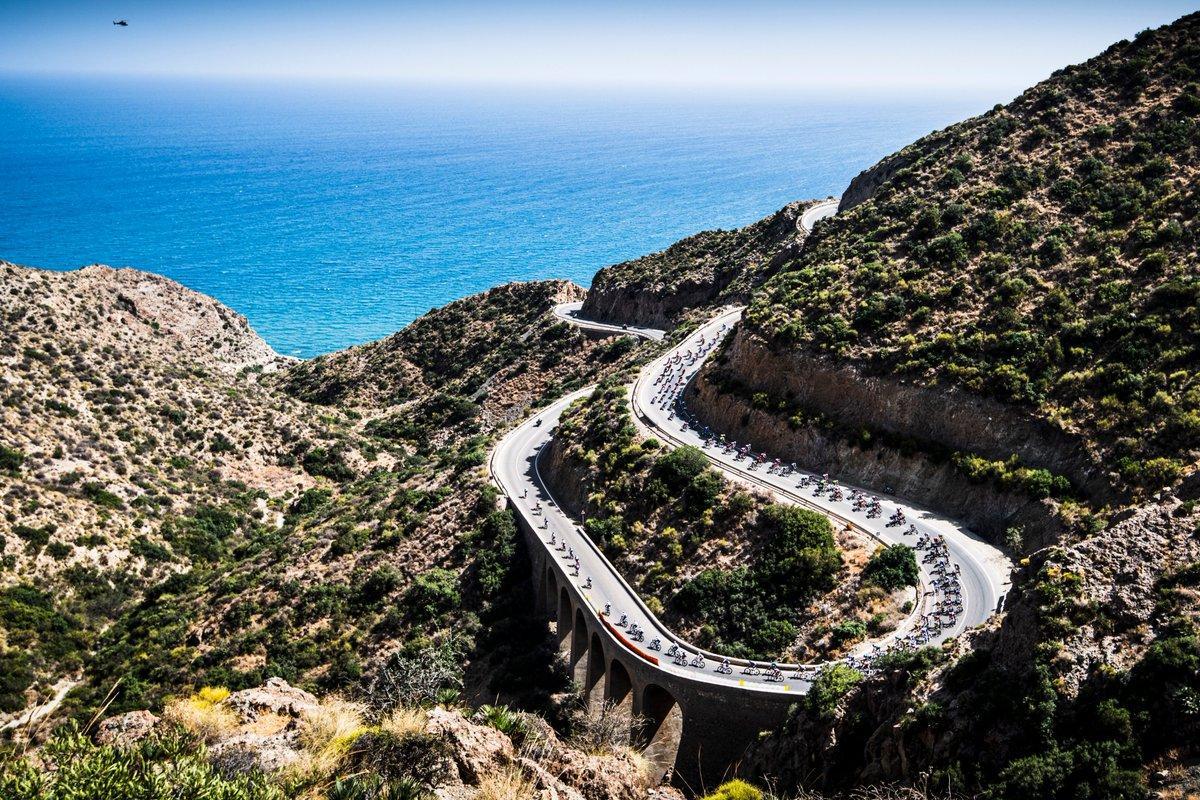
335, 214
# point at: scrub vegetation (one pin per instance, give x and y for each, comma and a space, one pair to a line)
1043, 255
738, 573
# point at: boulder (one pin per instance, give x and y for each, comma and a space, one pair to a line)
475, 750
245, 752
276, 696
126, 729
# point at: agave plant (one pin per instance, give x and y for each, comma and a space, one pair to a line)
502, 718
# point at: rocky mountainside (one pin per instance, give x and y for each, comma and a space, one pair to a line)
180, 512
1002, 323
709, 268
138, 442
1037, 263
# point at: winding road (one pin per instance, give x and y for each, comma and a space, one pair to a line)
968, 576
569, 312
816, 212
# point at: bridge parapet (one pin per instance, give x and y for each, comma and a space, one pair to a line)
694, 730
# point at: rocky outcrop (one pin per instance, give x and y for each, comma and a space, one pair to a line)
276, 696
566, 476
875, 737
273, 734
914, 476
167, 319
864, 185
1120, 571
709, 267
475, 750
126, 729
566, 773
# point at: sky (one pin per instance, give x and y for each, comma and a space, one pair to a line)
759, 44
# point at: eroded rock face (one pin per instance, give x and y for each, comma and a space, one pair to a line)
956, 419
945, 419
1120, 570
567, 773
867, 182
935, 485
126, 729
718, 265
476, 750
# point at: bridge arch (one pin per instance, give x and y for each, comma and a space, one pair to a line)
661, 726
593, 686
618, 686
549, 590
579, 649
565, 622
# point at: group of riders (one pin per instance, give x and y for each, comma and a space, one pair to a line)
679, 655
946, 605
677, 370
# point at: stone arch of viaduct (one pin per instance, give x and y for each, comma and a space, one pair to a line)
696, 730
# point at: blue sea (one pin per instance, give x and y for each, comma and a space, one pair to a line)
335, 214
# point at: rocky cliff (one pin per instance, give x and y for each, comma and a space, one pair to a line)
708, 268
1100, 624
866, 183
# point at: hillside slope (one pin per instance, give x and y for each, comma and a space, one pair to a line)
1004, 321
709, 268
175, 517
1042, 258
137, 442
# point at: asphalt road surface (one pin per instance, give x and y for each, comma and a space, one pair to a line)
981, 570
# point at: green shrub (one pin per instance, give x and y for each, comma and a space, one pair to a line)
310, 501
832, 683
494, 545
11, 460
328, 463
678, 468
846, 631
432, 594
502, 718
157, 768
799, 557
96, 492
892, 567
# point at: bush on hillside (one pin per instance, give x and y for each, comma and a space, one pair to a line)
892, 567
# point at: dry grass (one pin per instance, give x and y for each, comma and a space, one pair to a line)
509, 783
601, 729
335, 723
403, 721
326, 736
202, 714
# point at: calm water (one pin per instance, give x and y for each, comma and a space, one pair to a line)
335, 215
